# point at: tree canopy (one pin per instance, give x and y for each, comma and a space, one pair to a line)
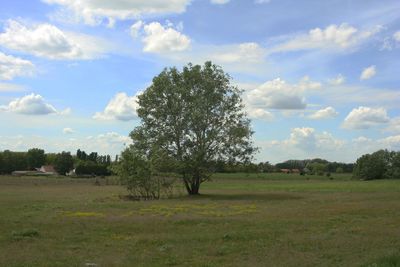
378, 165
63, 162
195, 117
35, 158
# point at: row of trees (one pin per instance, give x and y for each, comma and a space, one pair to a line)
92, 164
312, 166
85, 164
382, 164
316, 166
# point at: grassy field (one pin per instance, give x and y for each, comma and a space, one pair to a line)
239, 220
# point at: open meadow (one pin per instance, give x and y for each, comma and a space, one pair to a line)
238, 220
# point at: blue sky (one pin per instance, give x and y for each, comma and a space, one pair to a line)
320, 78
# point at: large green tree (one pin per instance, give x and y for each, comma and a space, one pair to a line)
35, 158
63, 162
378, 165
196, 117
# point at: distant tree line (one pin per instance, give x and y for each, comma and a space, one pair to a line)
316, 166
92, 164
84, 164
382, 164
310, 166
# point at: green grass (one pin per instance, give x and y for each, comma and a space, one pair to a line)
239, 220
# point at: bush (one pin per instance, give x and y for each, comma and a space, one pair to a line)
144, 176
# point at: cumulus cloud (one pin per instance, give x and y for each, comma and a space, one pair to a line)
113, 138
30, 105
135, 28
333, 37
11, 67
68, 130
46, 40
121, 107
368, 73
259, 113
244, 52
95, 12
394, 125
304, 142
340, 79
158, 38
391, 142
365, 145
219, 2
277, 94
248, 57
325, 113
365, 117
10, 87
347, 94
396, 36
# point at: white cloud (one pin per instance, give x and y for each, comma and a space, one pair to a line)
368, 73
325, 113
66, 111
277, 94
333, 37
11, 67
10, 87
219, 2
244, 52
161, 39
242, 57
365, 145
68, 130
121, 107
135, 28
113, 138
303, 143
94, 12
340, 79
396, 36
46, 40
344, 95
29, 105
259, 113
394, 125
391, 142
365, 117
262, 1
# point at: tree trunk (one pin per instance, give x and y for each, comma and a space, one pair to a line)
194, 189
193, 186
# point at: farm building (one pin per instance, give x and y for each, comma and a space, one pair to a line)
47, 169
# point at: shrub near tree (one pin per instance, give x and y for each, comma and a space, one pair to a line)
146, 176
194, 117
